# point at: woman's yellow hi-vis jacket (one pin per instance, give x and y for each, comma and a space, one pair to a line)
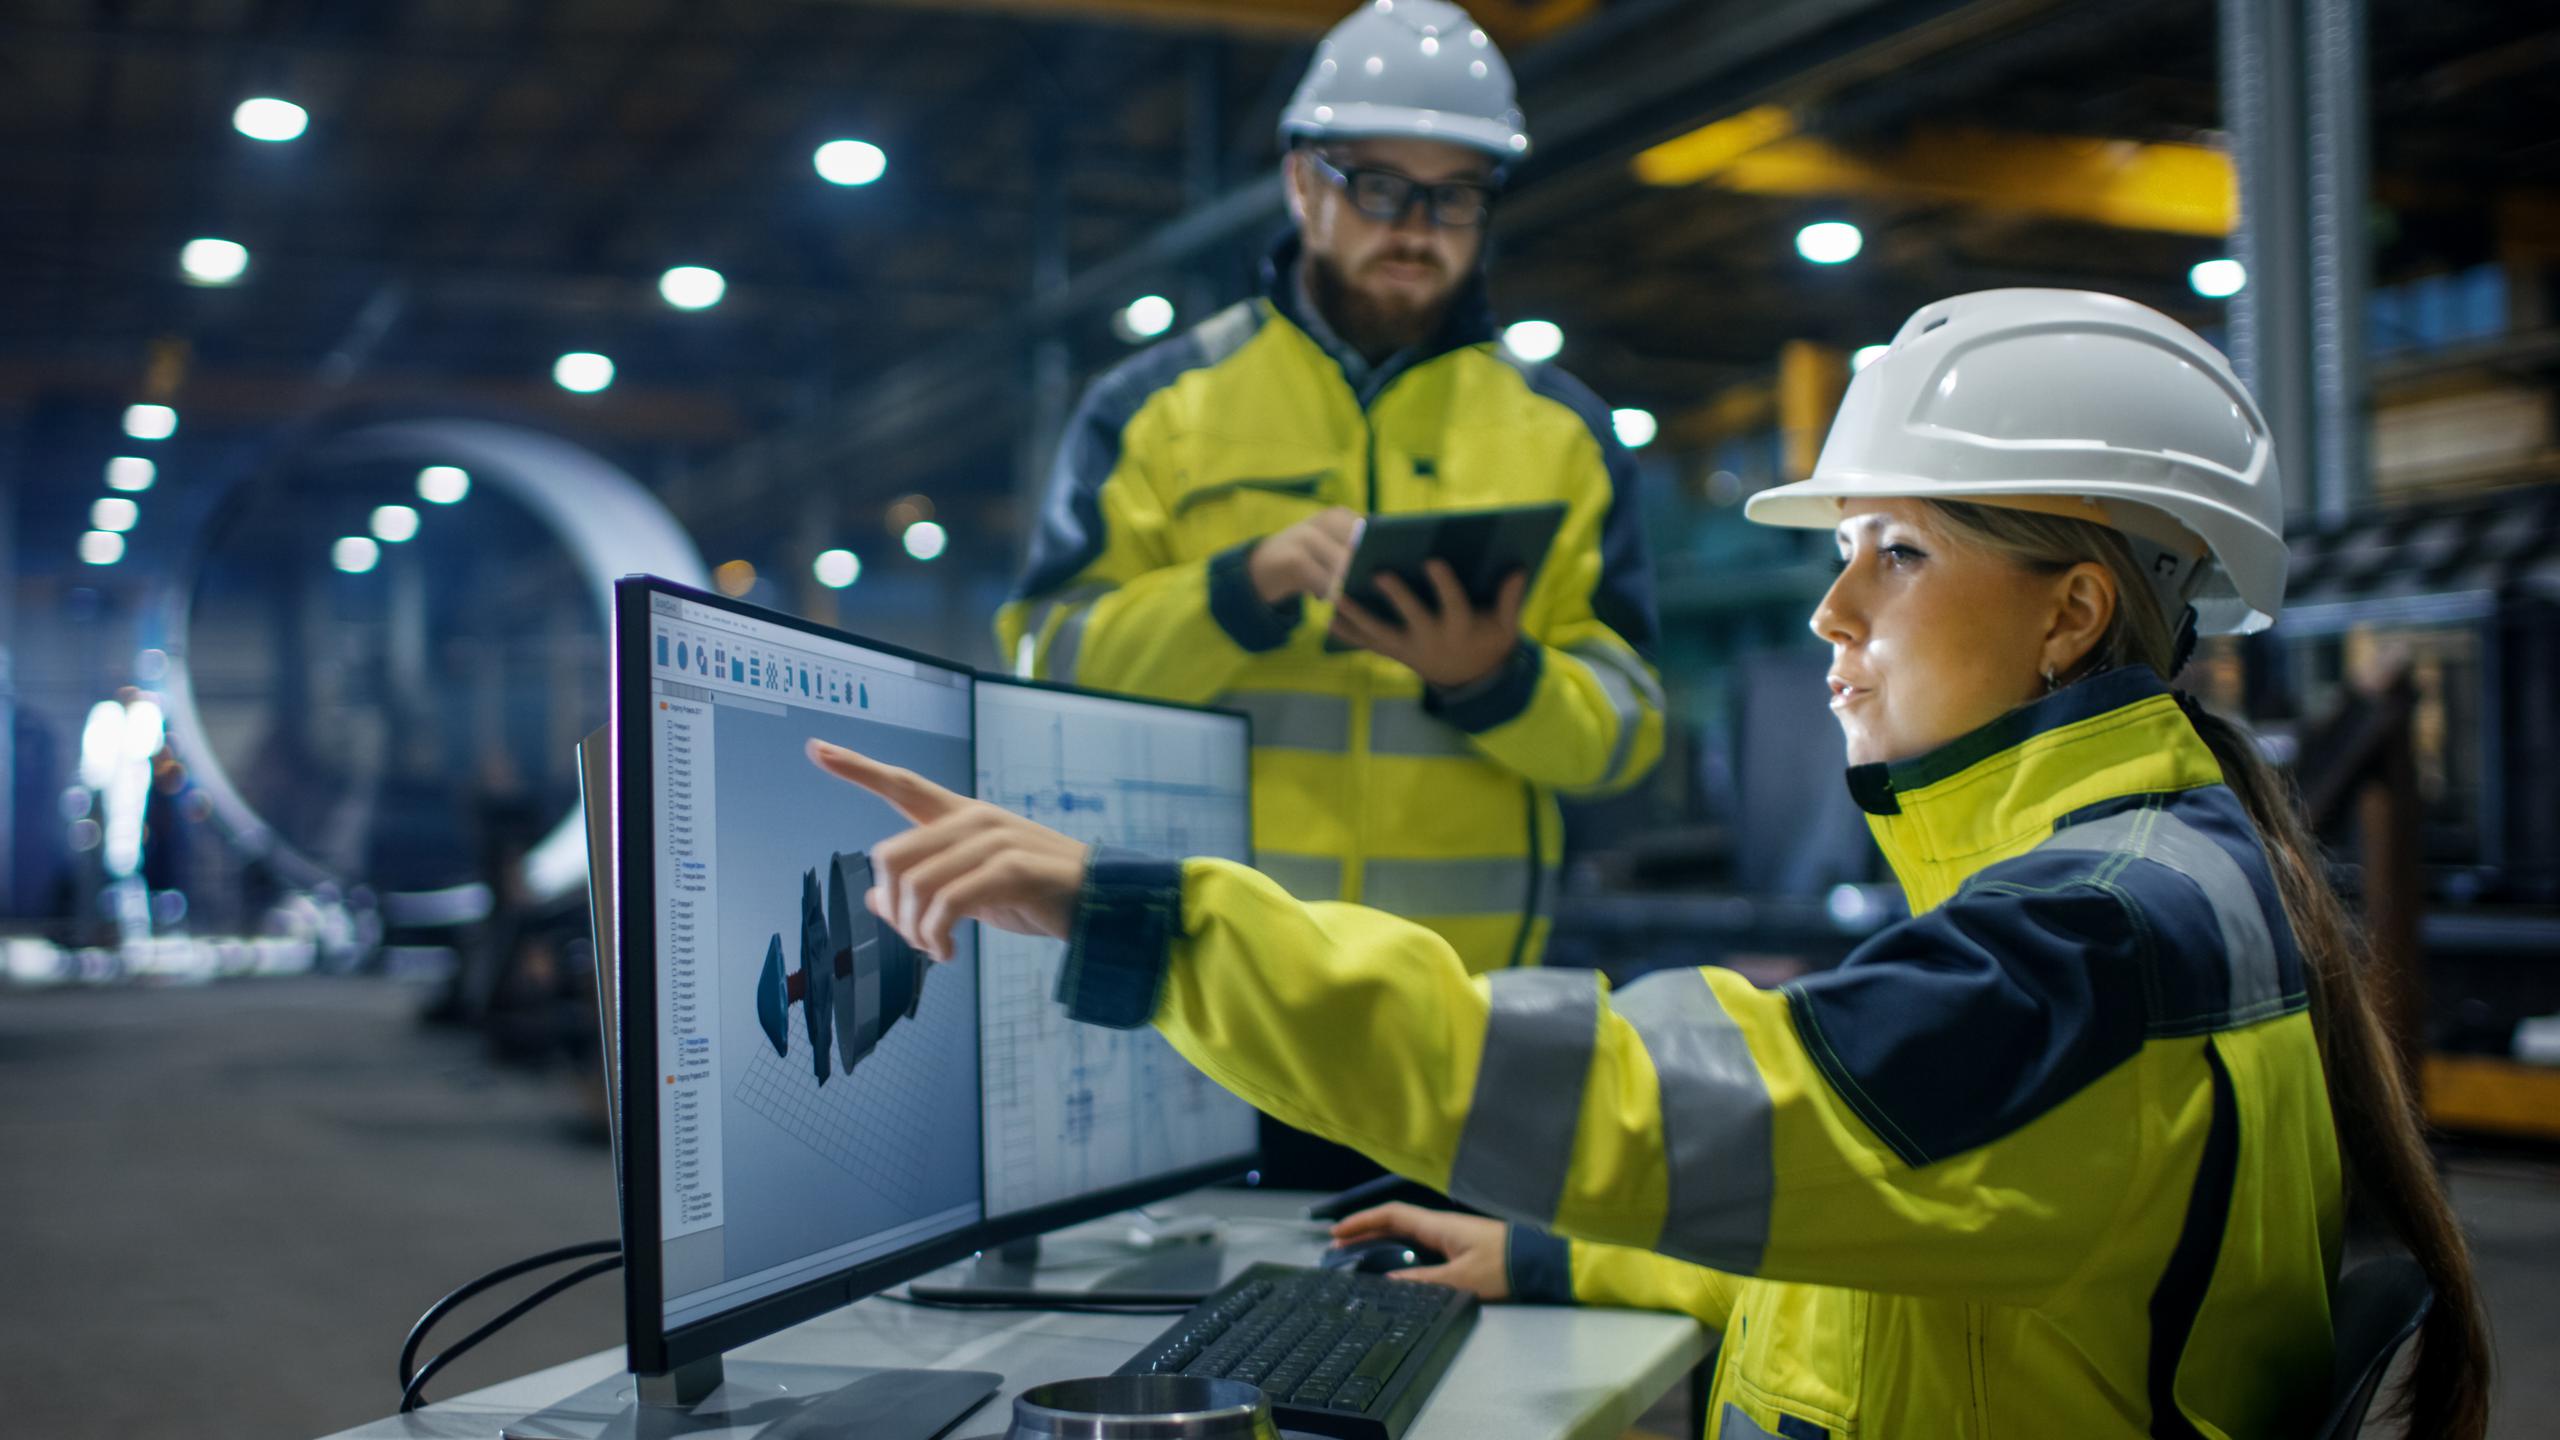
2052, 1157
1440, 808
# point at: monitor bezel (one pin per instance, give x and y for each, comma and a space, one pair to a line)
653, 1348
1040, 1219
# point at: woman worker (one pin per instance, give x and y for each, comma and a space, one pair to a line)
2068, 1151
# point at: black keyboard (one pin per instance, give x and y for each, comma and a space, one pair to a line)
1339, 1353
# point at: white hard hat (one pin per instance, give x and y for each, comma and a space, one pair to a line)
2052, 400
1415, 68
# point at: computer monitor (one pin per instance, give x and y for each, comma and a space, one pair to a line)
800, 1096
807, 1110
1080, 1120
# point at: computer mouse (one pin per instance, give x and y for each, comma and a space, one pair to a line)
1381, 1257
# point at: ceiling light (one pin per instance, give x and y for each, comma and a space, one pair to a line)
355, 554
114, 512
734, 578
1830, 242
2218, 279
1866, 355
1535, 340
852, 162
925, 539
692, 287
150, 422
838, 568
101, 547
131, 473
1146, 317
1636, 428
443, 484
393, 524
266, 118
213, 262
583, 371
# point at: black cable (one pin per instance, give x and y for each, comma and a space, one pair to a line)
413, 1394
443, 1307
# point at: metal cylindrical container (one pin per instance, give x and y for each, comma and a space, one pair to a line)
1143, 1407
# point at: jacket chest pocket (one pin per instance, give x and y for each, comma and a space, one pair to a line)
1231, 510
1801, 1362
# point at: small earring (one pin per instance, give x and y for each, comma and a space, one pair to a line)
2050, 683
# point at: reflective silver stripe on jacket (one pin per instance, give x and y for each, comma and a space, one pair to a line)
1471, 885
1518, 1141
1293, 720
1629, 686
1400, 726
2248, 949
1716, 1126
1307, 877
1061, 661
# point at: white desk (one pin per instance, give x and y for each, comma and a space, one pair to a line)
1526, 1371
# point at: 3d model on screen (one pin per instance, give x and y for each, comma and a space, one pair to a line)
852, 967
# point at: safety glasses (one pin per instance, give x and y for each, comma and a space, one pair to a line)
1388, 196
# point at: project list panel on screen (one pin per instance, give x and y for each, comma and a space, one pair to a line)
1075, 1110
820, 1096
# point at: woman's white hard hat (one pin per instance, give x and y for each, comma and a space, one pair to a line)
1418, 69
2067, 401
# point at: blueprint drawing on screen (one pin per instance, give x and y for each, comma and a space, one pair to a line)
1071, 1109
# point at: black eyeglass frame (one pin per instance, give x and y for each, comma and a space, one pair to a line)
1393, 206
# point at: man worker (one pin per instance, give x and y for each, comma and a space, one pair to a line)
1208, 494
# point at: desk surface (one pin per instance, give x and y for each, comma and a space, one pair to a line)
1526, 1371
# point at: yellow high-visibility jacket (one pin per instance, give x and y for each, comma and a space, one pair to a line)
1439, 808
2053, 1157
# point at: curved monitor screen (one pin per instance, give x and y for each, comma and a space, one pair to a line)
819, 1104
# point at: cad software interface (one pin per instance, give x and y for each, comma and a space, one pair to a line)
819, 1098
1076, 1109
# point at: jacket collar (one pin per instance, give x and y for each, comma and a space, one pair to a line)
1469, 320
2000, 791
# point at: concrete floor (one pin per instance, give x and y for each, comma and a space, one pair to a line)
220, 1209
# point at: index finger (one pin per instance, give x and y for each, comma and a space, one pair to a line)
907, 792
1394, 1218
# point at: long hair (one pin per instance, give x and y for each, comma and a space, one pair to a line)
2372, 1101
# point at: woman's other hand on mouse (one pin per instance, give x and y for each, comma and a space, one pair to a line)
1473, 1244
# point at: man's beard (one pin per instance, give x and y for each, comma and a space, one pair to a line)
1375, 330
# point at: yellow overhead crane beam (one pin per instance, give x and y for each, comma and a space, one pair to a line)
2133, 185
1510, 22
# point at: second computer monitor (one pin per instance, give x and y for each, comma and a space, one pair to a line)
1074, 1113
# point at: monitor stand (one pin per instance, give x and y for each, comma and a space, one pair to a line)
767, 1401
1087, 1268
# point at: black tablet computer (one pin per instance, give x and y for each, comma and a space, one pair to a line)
1483, 546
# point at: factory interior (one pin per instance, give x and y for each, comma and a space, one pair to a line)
349, 352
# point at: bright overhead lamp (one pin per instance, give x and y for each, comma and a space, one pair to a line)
114, 512
101, 547
1534, 340
2219, 279
355, 554
443, 484
1866, 355
150, 422
583, 371
270, 119
131, 473
926, 539
213, 262
838, 568
1636, 428
393, 524
693, 287
1830, 242
734, 578
1145, 318
851, 162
